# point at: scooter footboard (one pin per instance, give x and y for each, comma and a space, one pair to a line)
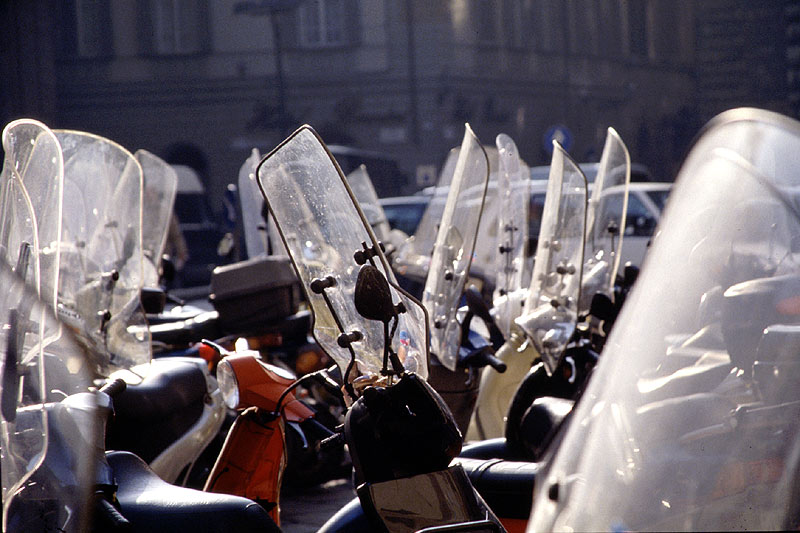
441, 498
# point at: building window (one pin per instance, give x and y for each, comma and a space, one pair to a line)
517, 21
486, 20
322, 22
93, 29
178, 27
637, 28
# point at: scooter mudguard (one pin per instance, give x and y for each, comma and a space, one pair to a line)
252, 460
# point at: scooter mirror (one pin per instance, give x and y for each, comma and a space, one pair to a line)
373, 298
602, 307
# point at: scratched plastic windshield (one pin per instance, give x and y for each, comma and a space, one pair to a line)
323, 230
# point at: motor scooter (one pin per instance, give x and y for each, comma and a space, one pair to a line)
556, 276
400, 434
55, 476
690, 421
502, 394
95, 259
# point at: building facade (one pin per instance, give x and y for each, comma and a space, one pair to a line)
206, 81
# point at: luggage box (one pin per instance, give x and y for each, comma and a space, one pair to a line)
255, 293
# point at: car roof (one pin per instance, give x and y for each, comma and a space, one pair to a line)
404, 200
639, 172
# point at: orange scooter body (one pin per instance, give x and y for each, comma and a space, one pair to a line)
253, 457
252, 460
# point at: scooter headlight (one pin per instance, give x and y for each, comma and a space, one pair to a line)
228, 384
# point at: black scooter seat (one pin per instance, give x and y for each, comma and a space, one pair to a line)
485, 449
151, 504
153, 414
506, 486
170, 385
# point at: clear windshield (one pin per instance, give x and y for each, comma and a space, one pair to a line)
30, 204
690, 420
260, 237
322, 228
454, 246
160, 188
505, 218
551, 310
361, 185
101, 250
605, 226
415, 256
255, 229
42, 490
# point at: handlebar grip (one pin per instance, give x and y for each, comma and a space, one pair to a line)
111, 517
112, 388
496, 363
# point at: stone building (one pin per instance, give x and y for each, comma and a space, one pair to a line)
205, 81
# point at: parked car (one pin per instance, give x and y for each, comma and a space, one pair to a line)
645, 204
405, 212
639, 172
646, 201
385, 173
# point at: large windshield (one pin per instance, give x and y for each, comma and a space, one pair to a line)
454, 246
160, 188
364, 191
323, 230
606, 226
424, 237
506, 219
30, 204
260, 236
690, 420
551, 309
101, 250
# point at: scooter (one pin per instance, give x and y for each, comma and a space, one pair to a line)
690, 421
602, 244
96, 267
400, 434
254, 456
55, 476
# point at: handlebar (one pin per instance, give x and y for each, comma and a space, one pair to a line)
114, 387
481, 358
109, 518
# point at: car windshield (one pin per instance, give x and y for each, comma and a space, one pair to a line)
405, 216
690, 421
659, 197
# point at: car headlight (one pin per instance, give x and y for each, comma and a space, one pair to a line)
228, 384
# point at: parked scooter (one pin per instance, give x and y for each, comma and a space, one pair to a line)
507, 395
400, 434
459, 352
54, 474
690, 422
49, 425
173, 408
254, 457
553, 292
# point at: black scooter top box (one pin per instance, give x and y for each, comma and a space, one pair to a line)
256, 292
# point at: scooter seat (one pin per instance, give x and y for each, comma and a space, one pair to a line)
505, 486
153, 505
154, 413
485, 449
